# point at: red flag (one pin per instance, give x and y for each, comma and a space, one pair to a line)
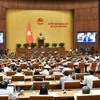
29, 37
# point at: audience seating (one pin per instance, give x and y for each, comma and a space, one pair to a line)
72, 85
18, 78
1, 78
80, 76
23, 66
88, 97
57, 77
96, 84
71, 65
37, 84
4, 97
42, 76
28, 73
42, 97
93, 66
82, 66
35, 66
10, 73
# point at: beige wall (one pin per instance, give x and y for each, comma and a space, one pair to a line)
17, 22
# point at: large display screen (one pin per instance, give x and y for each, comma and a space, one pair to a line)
86, 37
1, 37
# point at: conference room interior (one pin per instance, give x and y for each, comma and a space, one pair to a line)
59, 21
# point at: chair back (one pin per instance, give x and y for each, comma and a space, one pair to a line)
42, 76
1, 78
57, 77
28, 73
4, 97
72, 85
93, 66
9, 73
18, 78
23, 66
96, 83
88, 97
37, 84
36, 66
82, 66
41, 97
80, 76
71, 65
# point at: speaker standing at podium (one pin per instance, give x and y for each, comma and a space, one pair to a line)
40, 39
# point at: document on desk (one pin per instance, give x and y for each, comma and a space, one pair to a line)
21, 82
53, 94
95, 91
58, 82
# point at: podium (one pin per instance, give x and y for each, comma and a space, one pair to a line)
40, 43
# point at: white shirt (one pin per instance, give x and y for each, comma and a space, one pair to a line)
45, 72
63, 79
89, 80
6, 69
66, 69
47, 66
5, 92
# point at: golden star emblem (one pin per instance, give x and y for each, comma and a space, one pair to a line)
29, 32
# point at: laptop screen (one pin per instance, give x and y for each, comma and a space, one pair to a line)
11, 88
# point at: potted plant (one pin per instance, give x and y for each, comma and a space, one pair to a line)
54, 44
25, 45
47, 45
33, 45
61, 44
18, 45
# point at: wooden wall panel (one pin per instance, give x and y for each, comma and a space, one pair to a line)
85, 13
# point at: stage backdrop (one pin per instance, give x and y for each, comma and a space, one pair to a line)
55, 25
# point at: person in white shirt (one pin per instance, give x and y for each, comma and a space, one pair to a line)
44, 71
47, 66
19, 72
2, 74
58, 72
65, 78
89, 79
3, 91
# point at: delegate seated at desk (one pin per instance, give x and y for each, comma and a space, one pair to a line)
85, 90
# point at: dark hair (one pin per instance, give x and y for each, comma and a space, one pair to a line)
36, 72
38, 79
19, 70
77, 70
91, 72
66, 73
1, 69
14, 68
3, 84
43, 89
31, 68
85, 90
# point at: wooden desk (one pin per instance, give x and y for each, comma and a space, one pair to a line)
58, 94
29, 78
26, 85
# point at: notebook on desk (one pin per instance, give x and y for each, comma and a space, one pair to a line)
11, 88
